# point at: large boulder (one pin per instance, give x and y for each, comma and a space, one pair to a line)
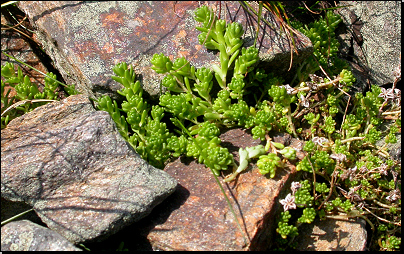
86, 39
69, 162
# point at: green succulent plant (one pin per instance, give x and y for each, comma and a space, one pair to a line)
348, 171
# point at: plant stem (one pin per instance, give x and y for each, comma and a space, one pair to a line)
16, 216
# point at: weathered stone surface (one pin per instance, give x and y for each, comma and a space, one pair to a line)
373, 40
332, 235
25, 235
70, 163
196, 216
86, 39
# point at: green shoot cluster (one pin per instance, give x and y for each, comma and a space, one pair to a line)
28, 96
349, 172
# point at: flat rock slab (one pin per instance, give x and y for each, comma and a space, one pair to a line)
374, 39
197, 217
333, 235
71, 165
25, 235
86, 39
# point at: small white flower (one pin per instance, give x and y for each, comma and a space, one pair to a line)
295, 186
304, 102
351, 172
354, 189
288, 88
383, 169
339, 157
393, 195
387, 94
288, 202
397, 98
363, 169
319, 140
316, 79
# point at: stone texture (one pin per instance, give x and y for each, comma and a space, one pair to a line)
86, 39
373, 40
196, 216
332, 235
70, 163
25, 235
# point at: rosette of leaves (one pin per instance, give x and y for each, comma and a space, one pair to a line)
268, 164
206, 148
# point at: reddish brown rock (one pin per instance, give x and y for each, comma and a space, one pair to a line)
196, 216
86, 39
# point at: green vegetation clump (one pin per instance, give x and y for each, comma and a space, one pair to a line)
28, 96
354, 176
346, 174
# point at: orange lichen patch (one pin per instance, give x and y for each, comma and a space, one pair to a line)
144, 22
108, 48
193, 199
182, 34
183, 54
198, 47
86, 49
109, 19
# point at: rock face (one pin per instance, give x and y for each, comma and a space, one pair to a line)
86, 39
332, 235
25, 235
71, 165
374, 37
197, 217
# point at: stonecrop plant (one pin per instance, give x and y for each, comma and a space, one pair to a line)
346, 172
28, 96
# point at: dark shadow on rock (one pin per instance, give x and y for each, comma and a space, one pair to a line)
134, 236
161, 212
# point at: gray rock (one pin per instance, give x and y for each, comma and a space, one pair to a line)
394, 149
332, 235
374, 36
25, 235
71, 165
